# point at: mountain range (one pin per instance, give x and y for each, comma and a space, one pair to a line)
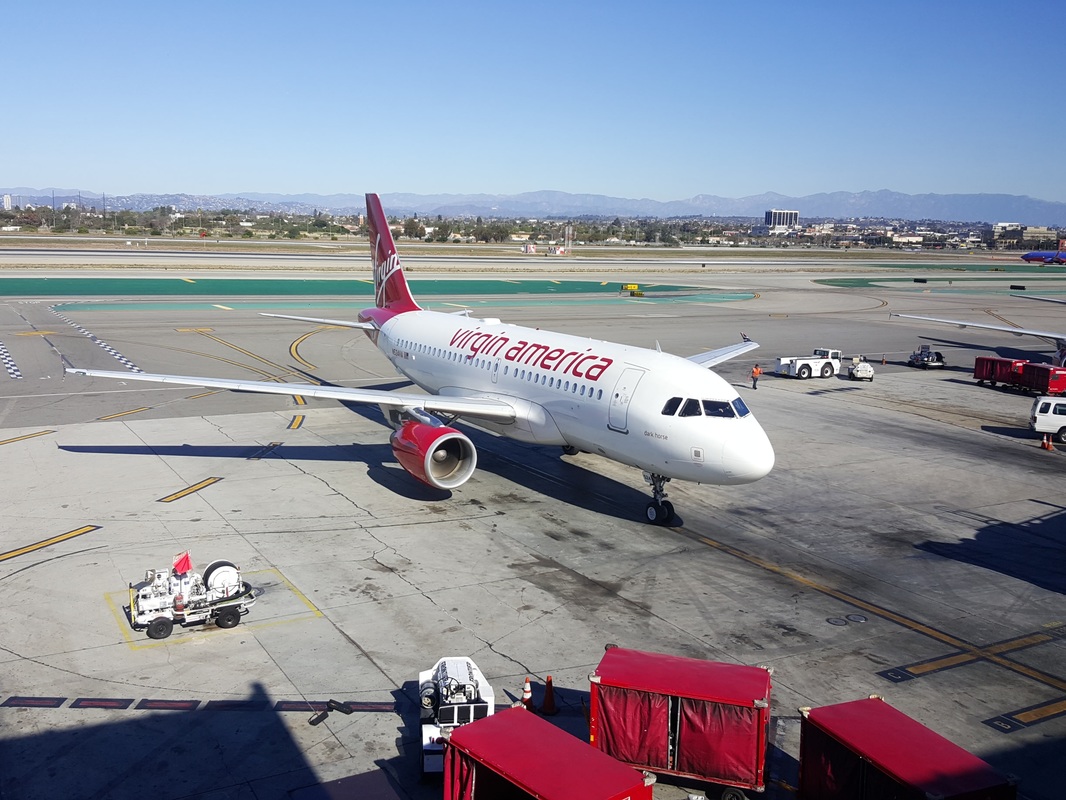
883, 204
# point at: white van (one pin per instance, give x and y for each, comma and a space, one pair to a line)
1049, 416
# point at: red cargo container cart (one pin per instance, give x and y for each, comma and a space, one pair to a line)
998, 370
1043, 379
682, 716
867, 750
515, 755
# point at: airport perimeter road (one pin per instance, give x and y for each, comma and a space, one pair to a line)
909, 542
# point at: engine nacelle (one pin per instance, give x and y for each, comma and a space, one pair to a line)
440, 456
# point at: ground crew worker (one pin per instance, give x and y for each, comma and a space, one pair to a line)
755, 373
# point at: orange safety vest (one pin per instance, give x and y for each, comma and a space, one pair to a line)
756, 372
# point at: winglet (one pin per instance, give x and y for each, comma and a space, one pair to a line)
390, 286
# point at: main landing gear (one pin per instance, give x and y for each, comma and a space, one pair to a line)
659, 511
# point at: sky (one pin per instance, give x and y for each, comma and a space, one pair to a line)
662, 100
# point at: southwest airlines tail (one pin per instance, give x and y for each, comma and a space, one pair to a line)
390, 286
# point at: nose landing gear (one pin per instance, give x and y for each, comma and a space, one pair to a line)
659, 511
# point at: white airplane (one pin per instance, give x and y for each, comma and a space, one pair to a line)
668, 416
1058, 358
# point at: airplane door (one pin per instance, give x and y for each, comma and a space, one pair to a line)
496, 371
618, 415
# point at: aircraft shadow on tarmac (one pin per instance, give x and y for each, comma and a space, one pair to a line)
1032, 551
232, 748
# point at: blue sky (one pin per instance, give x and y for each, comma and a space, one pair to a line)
661, 100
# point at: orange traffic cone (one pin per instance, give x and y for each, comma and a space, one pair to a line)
527, 695
548, 708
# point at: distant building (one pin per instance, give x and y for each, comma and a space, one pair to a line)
7, 202
780, 221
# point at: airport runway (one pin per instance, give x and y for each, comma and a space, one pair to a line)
910, 541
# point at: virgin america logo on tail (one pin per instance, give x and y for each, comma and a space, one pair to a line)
581, 364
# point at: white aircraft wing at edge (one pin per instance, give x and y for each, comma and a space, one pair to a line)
483, 407
1005, 328
712, 357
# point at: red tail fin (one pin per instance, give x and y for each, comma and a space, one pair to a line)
390, 286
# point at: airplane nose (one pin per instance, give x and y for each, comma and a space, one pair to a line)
748, 458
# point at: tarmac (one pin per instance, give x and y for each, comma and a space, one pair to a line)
909, 542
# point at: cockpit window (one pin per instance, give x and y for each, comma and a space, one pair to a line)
741, 409
717, 408
671, 406
691, 408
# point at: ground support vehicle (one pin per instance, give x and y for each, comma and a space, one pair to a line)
1048, 417
997, 370
683, 716
925, 357
1044, 379
451, 693
519, 756
823, 362
166, 598
867, 750
861, 370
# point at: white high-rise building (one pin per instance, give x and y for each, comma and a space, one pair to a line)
7, 202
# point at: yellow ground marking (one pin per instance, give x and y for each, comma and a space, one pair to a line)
170, 498
25, 436
554, 281
294, 348
47, 542
188, 280
36, 333
224, 308
204, 394
1037, 714
296, 422
250, 354
892, 616
978, 653
128, 633
299, 400
193, 330
125, 413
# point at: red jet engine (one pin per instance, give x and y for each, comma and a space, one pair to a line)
435, 454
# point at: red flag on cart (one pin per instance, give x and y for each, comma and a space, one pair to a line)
182, 563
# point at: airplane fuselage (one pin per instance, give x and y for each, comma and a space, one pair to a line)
652, 410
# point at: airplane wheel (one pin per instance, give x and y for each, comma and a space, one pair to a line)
160, 628
668, 513
570, 450
654, 512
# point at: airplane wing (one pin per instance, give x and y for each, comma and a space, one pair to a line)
712, 357
1045, 299
1005, 328
483, 407
339, 322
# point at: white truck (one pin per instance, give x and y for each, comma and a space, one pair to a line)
1048, 417
824, 362
165, 598
451, 693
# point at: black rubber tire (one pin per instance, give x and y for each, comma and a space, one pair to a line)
827, 370
804, 372
228, 617
668, 513
1060, 437
570, 450
653, 513
160, 628
733, 794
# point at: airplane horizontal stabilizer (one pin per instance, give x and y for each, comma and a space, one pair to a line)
479, 407
338, 322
